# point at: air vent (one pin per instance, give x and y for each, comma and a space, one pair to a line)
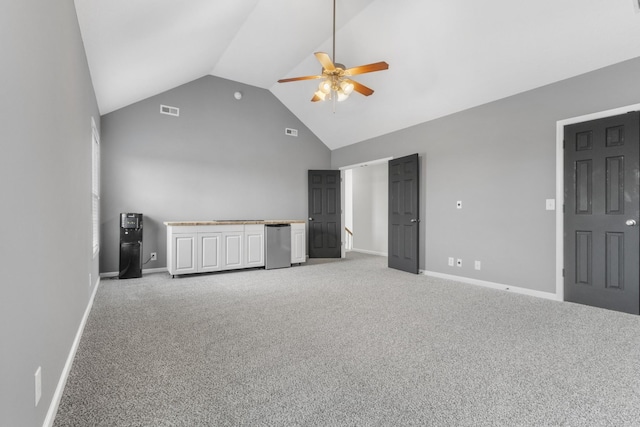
291, 132
171, 111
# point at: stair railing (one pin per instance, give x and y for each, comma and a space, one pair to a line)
349, 243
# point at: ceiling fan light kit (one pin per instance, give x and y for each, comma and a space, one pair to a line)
335, 82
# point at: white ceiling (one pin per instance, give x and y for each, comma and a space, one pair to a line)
444, 55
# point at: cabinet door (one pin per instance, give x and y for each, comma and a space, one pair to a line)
254, 247
209, 252
298, 244
232, 248
184, 255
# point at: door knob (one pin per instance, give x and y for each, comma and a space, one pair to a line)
631, 222
310, 219
414, 220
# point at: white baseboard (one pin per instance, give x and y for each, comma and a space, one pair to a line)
57, 395
144, 270
154, 270
492, 285
366, 251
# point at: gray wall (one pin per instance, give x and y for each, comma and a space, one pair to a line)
46, 104
370, 208
499, 160
221, 159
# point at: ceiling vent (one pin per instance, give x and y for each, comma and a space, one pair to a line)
171, 111
291, 132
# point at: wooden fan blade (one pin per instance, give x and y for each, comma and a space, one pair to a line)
295, 79
316, 98
369, 68
326, 62
360, 88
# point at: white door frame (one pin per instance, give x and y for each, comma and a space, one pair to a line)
343, 233
560, 183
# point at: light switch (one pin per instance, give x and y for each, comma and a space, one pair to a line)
551, 204
459, 204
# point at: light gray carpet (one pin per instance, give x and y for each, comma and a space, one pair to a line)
348, 342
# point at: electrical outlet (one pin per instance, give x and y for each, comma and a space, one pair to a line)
154, 256
38, 383
478, 265
459, 263
451, 261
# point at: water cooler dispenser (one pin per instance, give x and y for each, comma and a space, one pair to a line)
130, 245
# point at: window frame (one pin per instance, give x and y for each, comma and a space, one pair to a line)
95, 187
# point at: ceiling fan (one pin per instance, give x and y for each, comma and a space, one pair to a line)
336, 81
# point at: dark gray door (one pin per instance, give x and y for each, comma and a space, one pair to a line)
324, 214
601, 238
404, 217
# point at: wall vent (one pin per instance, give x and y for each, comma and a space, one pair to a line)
172, 111
291, 132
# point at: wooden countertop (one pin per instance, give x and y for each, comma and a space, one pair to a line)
234, 222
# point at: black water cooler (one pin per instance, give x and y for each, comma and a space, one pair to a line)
130, 245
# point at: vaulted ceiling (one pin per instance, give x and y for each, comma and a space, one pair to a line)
444, 56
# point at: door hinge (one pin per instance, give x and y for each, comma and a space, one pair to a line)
563, 272
564, 144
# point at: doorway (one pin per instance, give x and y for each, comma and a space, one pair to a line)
366, 207
602, 164
561, 173
325, 213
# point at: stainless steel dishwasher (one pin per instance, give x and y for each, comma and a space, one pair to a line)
278, 246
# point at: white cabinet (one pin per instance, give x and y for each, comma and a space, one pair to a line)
183, 257
298, 243
254, 245
209, 251
232, 249
206, 248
